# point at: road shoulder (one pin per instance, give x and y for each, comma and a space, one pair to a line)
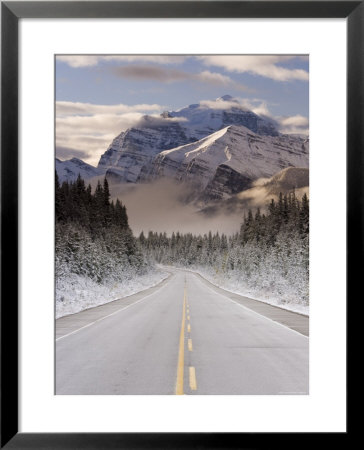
296, 321
69, 324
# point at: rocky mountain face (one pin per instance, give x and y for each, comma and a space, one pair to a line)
291, 179
70, 169
130, 156
218, 148
227, 161
202, 119
135, 148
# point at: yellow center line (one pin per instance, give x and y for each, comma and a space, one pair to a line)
190, 345
180, 368
188, 317
193, 383
189, 328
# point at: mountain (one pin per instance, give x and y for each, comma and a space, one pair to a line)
291, 178
207, 117
136, 147
132, 151
262, 191
228, 161
70, 169
216, 147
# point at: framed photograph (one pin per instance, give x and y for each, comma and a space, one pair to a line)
181, 204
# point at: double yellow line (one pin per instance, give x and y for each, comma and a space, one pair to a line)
181, 354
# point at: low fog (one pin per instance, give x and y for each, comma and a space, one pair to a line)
162, 206
167, 206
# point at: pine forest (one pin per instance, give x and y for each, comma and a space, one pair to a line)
95, 249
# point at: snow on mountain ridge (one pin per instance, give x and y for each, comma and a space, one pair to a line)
209, 116
227, 98
202, 144
131, 152
69, 170
228, 160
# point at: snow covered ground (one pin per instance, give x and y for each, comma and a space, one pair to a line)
75, 293
287, 300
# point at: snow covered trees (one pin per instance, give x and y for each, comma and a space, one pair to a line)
269, 257
93, 238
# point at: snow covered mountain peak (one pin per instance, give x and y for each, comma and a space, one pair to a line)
70, 169
209, 116
215, 133
227, 161
227, 98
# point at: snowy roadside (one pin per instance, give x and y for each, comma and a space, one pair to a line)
235, 286
76, 293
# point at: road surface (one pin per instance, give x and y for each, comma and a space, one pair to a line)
184, 336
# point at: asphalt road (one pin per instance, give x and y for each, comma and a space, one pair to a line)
184, 336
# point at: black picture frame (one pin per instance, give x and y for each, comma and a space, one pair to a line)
11, 12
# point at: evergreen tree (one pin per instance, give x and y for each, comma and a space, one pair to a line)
93, 237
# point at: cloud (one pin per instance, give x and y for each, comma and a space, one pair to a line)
97, 124
296, 124
288, 124
168, 75
298, 121
161, 206
155, 73
67, 153
87, 109
269, 66
260, 194
264, 189
92, 134
263, 65
293, 125
81, 145
155, 121
217, 79
88, 129
258, 106
77, 61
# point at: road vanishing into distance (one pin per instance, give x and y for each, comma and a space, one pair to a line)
183, 336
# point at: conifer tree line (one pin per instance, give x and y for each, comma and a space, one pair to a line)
270, 253
93, 237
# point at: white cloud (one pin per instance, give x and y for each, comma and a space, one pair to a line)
256, 105
211, 77
168, 75
263, 65
293, 125
93, 60
89, 129
294, 121
219, 79
216, 104
87, 109
92, 134
96, 124
297, 124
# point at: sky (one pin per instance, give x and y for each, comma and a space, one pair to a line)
99, 96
